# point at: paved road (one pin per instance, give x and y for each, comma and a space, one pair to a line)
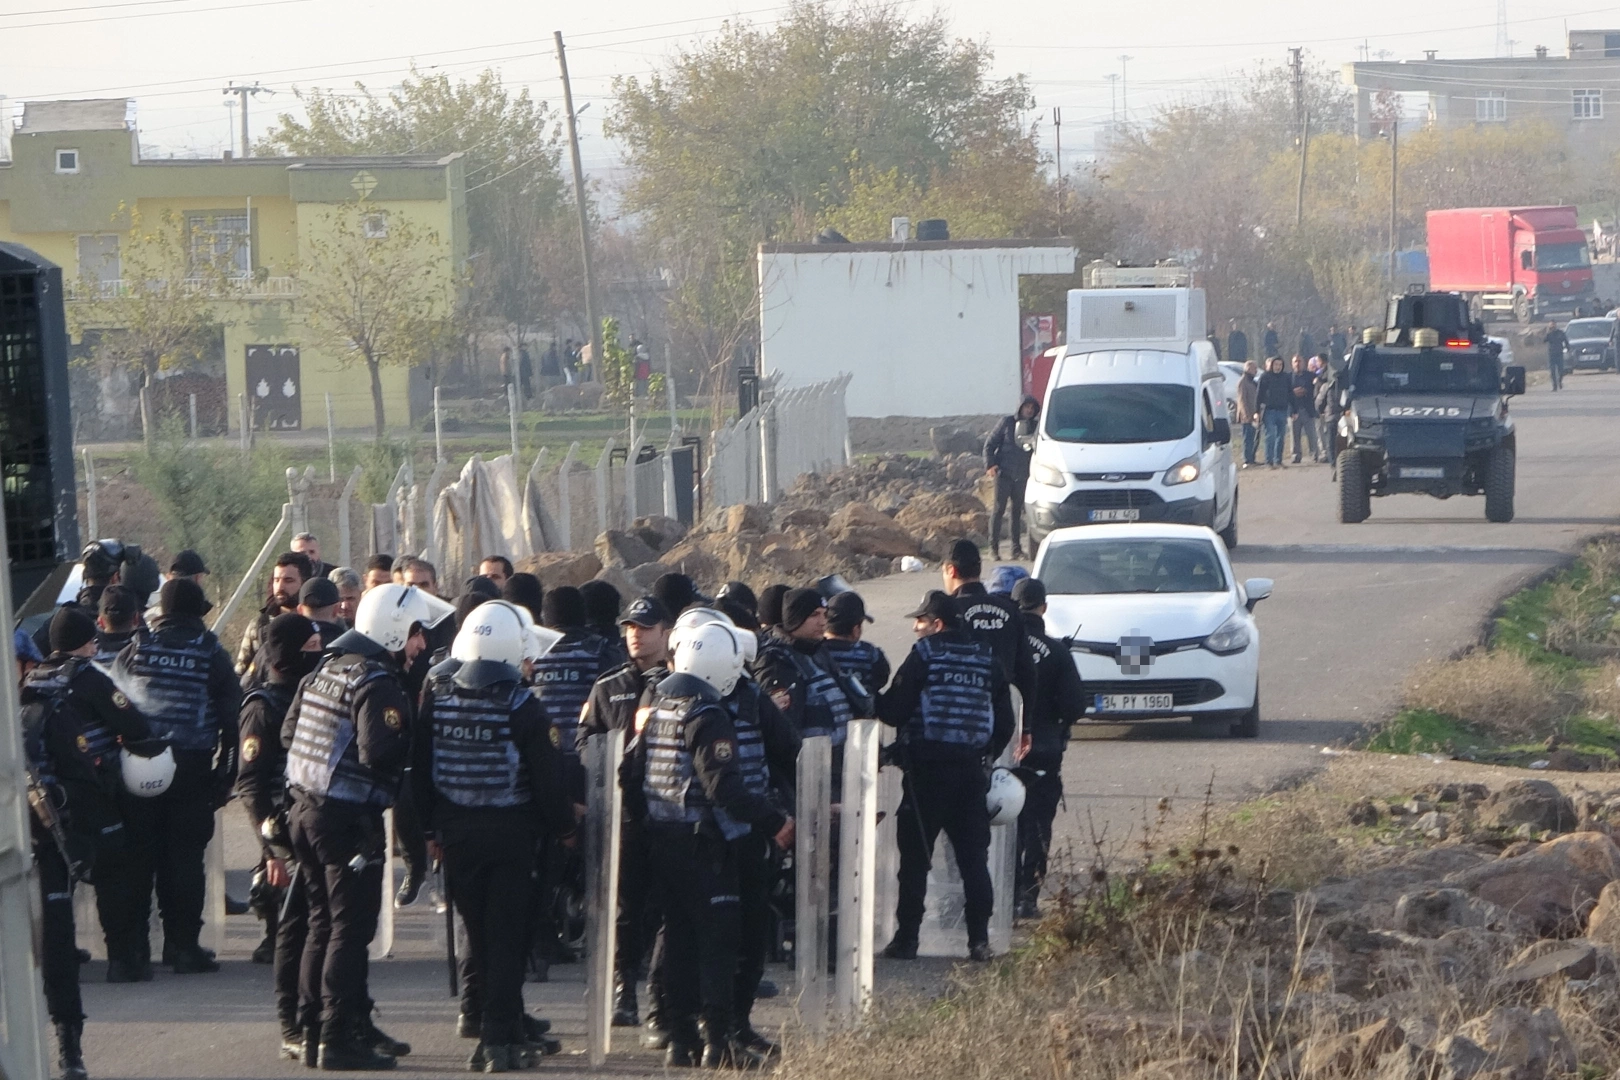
1355, 608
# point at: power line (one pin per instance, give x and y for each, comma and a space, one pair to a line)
154, 14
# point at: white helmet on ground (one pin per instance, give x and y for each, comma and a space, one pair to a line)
493, 631
147, 777
386, 613
712, 652
1005, 800
704, 616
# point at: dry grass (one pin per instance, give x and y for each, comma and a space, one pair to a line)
1497, 690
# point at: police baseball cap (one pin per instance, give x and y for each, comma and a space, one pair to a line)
118, 603
846, 609
188, 563
936, 605
647, 612
1029, 594
319, 593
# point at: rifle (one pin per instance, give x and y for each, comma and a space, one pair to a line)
50, 819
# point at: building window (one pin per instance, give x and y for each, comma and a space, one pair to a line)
99, 261
1588, 104
221, 241
67, 161
1491, 105
375, 226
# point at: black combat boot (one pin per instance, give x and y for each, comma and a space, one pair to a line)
469, 1025
903, 946
191, 960
69, 1054
381, 1041
727, 1051
312, 1044
347, 1047
683, 1046
292, 1039
625, 1013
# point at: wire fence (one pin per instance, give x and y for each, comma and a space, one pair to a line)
758, 456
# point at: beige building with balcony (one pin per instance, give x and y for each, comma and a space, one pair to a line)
73, 169
1578, 92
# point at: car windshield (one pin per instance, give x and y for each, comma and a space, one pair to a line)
1104, 567
1426, 372
1589, 328
1120, 413
1561, 256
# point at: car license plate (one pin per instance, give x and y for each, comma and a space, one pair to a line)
1415, 472
1133, 702
1115, 515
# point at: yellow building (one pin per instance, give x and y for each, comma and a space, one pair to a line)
75, 165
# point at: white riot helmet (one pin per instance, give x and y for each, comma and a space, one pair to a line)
386, 613
704, 616
712, 652
493, 631
147, 777
1005, 800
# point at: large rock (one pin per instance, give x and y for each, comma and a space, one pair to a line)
1520, 1044
866, 531
747, 517
937, 519
1433, 912
1537, 803
1603, 925
1550, 960
1553, 886
555, 568
623, 550
805, 517
658, 532
693, 558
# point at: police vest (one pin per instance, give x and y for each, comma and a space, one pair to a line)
956, 707
476, 762
564, 677
108, 646
169, 685
827, 708
44, 693
857, 659
673, 795
324, 759
744, 708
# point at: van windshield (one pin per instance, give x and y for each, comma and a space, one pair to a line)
1120, 413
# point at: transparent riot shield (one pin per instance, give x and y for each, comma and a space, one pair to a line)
87, 922
812, 855
890, 785
857, 871
604, 817
382, 942
213, 927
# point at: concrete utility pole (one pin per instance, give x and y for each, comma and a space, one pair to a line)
1296, 64
1057, 133
1124, 88
595, 327
243, 93
1299, 198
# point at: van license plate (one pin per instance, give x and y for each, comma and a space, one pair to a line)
1413, 472
1133, 702
1115, 515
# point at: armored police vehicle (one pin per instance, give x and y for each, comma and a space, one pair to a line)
1426, 412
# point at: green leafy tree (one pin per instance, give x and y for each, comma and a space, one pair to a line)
160, 312
377, 289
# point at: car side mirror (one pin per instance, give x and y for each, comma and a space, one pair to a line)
1223, 431
1256, 589
1513, 380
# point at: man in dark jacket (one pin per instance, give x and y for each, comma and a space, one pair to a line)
1275, 393
1237, 343
1059, 701
180, 677
991, 618
1557, 342
950, 702
1006, 457
1302, 410
1328, 411
1270, 343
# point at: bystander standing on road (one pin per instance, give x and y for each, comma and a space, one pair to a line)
1302, 410
1556, 343
1328, 411
1237, 343
1248, 409
1275, 392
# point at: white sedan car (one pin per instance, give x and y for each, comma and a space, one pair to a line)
1161, 629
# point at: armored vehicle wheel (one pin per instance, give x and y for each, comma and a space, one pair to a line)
1499, 471
1355, 496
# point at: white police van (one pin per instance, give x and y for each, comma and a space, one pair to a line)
1135, 424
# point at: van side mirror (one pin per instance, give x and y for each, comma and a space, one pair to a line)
1513, 380
1223, 431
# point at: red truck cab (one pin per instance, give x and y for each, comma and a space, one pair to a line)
1519, 262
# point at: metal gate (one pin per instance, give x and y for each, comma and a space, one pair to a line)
275, 386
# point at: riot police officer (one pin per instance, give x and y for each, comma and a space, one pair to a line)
73, 719
347, 739
992, 618
949, 701
181, 678
802, 677
487, 779
1058, 702
291, 650
612, 706
118, 619
683, 773
846, 618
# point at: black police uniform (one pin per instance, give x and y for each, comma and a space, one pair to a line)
109, 645
180, 677
767, 757
1058, 702
861, 659
73, 719
347, 736
486, 776
261, 786
995, 620
950, 702
683, 773
612, 706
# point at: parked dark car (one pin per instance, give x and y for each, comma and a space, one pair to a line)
1593, 343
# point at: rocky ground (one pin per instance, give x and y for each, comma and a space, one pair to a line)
858, 522
908, 434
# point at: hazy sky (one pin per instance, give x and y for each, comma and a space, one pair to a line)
174, 56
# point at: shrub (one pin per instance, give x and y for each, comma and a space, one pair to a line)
1498, 691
